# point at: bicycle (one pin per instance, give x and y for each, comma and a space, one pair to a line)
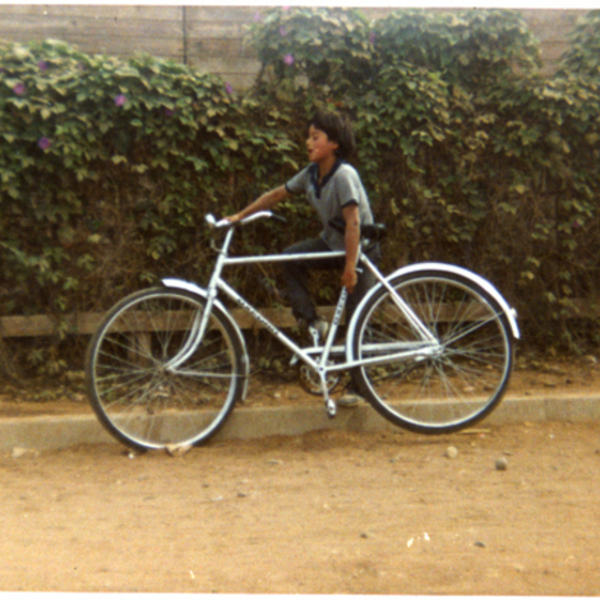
431, 347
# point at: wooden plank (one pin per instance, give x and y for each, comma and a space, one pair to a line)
124, 47
52, 26
206, 48
224, 13
201, 30
93, 11
87, 323
225, 67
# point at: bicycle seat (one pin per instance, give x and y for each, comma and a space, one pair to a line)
373, 232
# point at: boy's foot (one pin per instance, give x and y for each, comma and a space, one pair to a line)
320, 327
350, 399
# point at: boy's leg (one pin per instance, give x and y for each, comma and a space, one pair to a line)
351, 397
296, 274
366, 280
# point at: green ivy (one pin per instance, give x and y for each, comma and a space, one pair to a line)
108, 165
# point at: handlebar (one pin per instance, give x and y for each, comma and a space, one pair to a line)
212, 222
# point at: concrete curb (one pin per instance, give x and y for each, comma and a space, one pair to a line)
53, 432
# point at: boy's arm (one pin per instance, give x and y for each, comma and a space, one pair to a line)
351, 238
264, 202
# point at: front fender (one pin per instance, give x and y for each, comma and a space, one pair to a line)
192, 288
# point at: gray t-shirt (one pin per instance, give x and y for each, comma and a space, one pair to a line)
340, 188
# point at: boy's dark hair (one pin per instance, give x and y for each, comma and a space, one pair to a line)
338, 129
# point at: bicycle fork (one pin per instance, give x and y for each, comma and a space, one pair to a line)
200, 324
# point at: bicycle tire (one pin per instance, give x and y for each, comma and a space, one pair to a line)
141, 400
447, 386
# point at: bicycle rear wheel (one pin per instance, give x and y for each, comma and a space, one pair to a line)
449, 382
150, 384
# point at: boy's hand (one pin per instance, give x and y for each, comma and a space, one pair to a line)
349, 279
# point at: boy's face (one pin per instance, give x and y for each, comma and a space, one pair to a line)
319, 146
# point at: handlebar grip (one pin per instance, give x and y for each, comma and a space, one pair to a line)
212, 222
278, 218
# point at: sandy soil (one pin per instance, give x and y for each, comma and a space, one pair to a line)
326, 512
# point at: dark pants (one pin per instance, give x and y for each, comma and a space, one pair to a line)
297, 274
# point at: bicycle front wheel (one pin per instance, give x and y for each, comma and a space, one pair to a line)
444, 381
152, 382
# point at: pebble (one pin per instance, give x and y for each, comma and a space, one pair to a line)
24, 453
480, 544
451, 452
178, 449
275, 461
501, 464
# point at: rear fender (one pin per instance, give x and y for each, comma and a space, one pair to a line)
510, 313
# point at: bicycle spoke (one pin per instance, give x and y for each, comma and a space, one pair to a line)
138, 396
441, 387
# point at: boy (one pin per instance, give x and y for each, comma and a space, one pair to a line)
335, 191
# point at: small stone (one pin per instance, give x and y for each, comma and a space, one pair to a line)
24, 453
365, 535
242, 495
178, 449
451, 452
480, 544
501, 464
275, 461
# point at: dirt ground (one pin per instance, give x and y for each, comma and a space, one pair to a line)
327, 512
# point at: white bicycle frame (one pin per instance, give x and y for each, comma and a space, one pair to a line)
380, 353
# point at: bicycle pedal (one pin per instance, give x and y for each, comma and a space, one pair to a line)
331, 408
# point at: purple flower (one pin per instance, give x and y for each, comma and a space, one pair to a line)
42, 65
258, 17
289, 59
120, 99
44, 143
169, 112
282, 31
372, 37
229, 88
19, 89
